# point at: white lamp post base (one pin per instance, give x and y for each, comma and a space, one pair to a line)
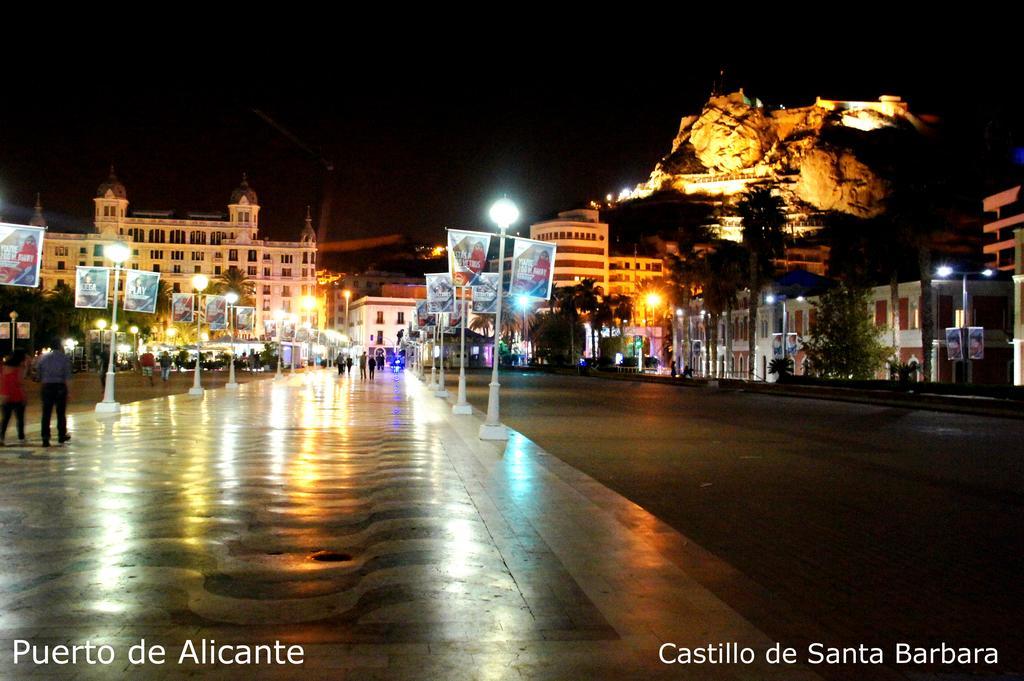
493, 431
231, 386
195, 391
462, 409
108, 407
441, 392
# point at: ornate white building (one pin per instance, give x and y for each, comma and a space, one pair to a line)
208, 243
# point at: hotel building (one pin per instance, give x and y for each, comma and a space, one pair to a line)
282, 272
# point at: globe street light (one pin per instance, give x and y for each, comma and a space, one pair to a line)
947, 271
503, 213
231, 297
652, 300
199, 284
117, 253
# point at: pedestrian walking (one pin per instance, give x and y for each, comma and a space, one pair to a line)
165, 366
340, 362
348, 365
372, 365
380, 362
54, 374
12, 391
147, 361
362, 365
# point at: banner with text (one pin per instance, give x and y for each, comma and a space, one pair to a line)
21, 252
424, 319
467, 255
532, 269
976, 342
485, 294
245, 318
24, 330
217, 312
91, 286
954, 344
440, 293
141, 290
182, 307
270, 329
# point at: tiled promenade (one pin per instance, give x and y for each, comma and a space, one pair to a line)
187, 519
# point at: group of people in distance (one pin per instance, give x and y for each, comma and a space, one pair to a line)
366, 362
53, 372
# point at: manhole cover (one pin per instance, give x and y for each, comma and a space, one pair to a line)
330, 557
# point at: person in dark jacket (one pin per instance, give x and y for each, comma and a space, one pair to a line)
54, 374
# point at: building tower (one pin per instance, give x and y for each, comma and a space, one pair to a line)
244, 211
37, 219
111, 206
308, 233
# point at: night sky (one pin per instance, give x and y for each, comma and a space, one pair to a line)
424, 146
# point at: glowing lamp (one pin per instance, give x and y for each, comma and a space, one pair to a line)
117, 252
944, 271
504, 212
200, 282
231, 297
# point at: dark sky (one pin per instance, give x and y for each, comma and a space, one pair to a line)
428, 144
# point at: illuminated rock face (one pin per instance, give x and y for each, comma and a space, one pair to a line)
735, 141
833, 179
731, 134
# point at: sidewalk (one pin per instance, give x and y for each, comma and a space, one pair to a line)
448, 558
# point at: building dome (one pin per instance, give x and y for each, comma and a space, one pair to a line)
244, 190
113, 185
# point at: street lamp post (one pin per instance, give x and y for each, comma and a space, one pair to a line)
524, 303
965, 323
503, 213
199, 284
14, 326
117, 253
652, 300
135, 339
308, 304
677, 355
462, 405
442, 389
231, 298
279, 318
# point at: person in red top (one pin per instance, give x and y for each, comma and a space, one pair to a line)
147, 361
11, 376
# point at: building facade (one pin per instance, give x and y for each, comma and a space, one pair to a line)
282, 272
1004, 214
374, 323
582, 241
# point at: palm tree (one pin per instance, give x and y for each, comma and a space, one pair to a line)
763, 215
685, 275
586, 298
233, 279
727, 270
564, 300
482, 324
60, 306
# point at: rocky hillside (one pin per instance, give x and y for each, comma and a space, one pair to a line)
829, 156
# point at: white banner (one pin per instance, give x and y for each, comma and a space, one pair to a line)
440, 293
467, 255
532, 269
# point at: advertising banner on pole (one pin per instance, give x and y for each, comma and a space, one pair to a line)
288, 330
141, 290
532, 269
217, 313
776, 346
454, 318
976, 342
440, 293
424, 319
5, 331
485, 294
21, 252
467, 255
954, 344
91, 286
270, 329
792, 344
182, 306
245, 318
24, 330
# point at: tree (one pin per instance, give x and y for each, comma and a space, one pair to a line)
844, 342
763, 215
564, 300
233, 279
587, 301
727, 272
685, 274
